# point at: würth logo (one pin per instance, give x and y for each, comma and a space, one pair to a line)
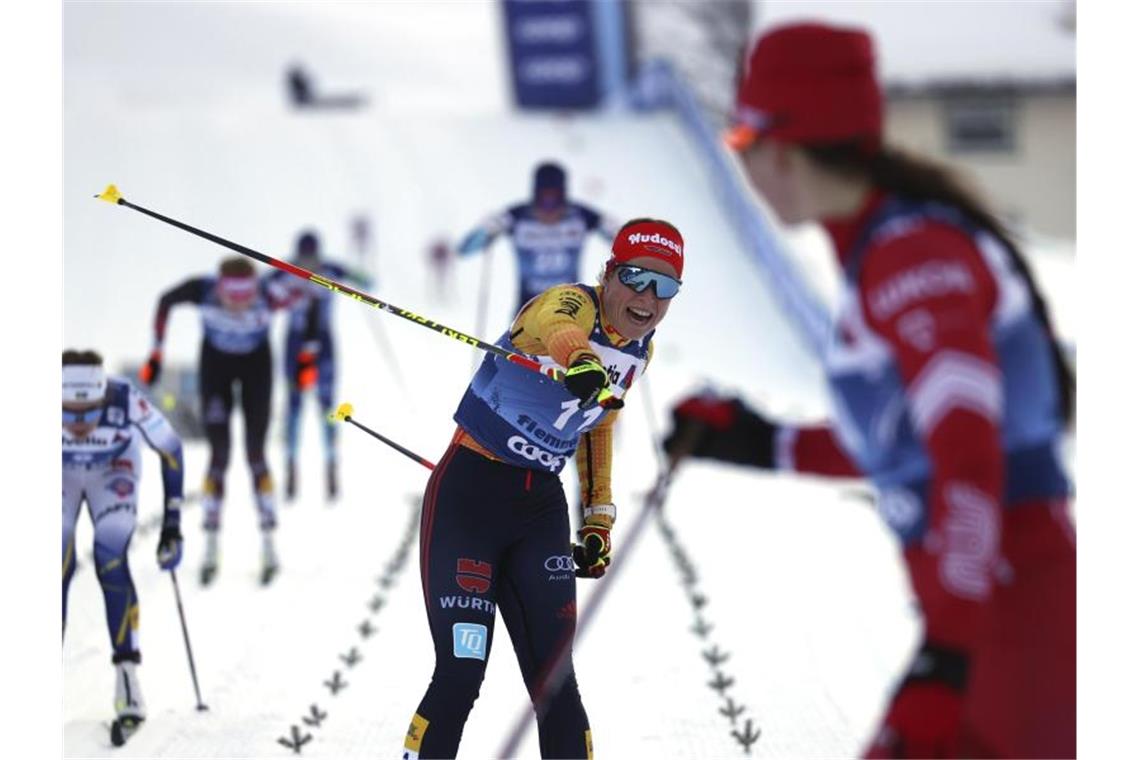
472, 575
636, 237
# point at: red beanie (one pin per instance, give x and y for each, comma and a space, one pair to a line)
649, 237
808, 83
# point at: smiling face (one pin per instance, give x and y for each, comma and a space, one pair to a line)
634, 314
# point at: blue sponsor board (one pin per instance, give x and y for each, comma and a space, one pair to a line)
554, 60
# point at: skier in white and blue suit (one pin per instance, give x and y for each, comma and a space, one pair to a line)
104, 419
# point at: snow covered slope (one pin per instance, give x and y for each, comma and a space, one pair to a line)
182, 106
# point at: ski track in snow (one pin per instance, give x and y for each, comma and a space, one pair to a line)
802, 582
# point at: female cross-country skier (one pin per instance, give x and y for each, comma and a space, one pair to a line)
950, 394
310, 355
495, 527
236, 308
104, 420
548, 233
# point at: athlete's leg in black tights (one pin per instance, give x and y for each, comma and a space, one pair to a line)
494, 534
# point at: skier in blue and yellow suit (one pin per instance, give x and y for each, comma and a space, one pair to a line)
495, 520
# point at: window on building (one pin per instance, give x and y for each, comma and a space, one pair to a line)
981, 124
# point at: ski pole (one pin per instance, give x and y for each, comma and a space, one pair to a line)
389, 354
186, 638
651, 421
484, 288
344, 414
558, 666
111, 195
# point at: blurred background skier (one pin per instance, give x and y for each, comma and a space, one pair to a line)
548, 235
309, 355
236, 309
104, 420
950, 394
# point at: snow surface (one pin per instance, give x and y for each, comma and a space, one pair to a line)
183, 108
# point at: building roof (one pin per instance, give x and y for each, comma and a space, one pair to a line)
924, 44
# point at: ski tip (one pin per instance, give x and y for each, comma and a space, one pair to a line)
342, 411
111, 195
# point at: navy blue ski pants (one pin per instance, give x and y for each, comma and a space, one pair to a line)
495, 539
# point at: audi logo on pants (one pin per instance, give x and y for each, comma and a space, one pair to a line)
556, 564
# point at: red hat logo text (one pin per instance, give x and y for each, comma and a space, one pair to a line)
649, 238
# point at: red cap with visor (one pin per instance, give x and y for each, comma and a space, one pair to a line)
808, 83
649, 238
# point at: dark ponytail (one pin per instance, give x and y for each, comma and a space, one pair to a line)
899, 173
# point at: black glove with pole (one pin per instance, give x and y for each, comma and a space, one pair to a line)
588, 380
170, 540
724, 429
592, 553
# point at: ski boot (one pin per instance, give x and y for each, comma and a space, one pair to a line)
269, 564
210, 561
130, 710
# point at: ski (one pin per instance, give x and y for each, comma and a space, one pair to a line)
123, 728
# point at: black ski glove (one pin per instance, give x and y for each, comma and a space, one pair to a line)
587, 379
724, 429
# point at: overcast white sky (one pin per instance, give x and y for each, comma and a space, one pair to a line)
920, 40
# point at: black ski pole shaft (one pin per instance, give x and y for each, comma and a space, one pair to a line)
389, 354
558, 666
112, 195
186, 639
344, 413
651, 421
484, 288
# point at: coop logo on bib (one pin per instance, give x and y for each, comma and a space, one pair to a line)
525, 448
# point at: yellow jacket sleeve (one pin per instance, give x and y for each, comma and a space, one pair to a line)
556, 324
595, 460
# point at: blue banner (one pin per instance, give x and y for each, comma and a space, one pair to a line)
553, 54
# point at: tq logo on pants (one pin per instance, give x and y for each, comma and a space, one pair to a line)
470, 641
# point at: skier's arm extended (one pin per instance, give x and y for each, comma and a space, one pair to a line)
190, 291
557, 324
485, 233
